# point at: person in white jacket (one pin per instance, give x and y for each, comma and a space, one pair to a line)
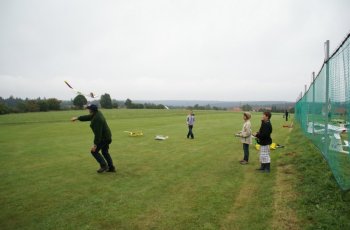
190, 122
246, 137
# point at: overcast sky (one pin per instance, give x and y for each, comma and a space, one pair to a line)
160, 49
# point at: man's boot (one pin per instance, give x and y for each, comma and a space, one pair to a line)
111, 169
262, 167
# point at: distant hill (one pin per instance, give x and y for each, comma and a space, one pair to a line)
220, 104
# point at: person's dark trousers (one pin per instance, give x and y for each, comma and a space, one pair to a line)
262, 167
246, 152
104, 147
267, 167
190, 133
286, 118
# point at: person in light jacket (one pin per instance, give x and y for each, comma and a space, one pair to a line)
246, 137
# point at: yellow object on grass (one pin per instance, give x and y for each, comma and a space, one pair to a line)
134, 133
273, 146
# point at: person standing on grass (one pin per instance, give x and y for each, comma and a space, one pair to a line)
286, 115
102, 139
264, 139
246, 137
190, 122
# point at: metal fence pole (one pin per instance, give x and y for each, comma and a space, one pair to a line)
306, 107
328, 104
313, 102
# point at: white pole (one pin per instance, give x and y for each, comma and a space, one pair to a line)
326, 51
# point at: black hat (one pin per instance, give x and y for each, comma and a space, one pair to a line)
92, 107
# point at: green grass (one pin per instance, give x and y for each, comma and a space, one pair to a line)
319, 204
49, 179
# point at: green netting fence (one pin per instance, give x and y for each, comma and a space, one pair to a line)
323, 112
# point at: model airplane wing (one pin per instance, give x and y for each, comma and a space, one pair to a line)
92, 95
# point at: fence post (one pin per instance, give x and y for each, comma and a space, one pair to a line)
301, 110
328, 104
346, 79
306, 107
313, 102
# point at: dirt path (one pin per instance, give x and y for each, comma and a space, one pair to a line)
284, 216
239, 215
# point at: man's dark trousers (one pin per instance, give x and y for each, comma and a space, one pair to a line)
190, 133
104, 147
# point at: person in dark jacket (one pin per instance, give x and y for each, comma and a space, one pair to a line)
286, 114
264, 139
102, 139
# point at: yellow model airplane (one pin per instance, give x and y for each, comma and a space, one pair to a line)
134, 133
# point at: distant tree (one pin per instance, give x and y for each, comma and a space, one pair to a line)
198, 107
79, 101
115, 104
32, 106
12, 102
55, 104
128, 103
137, 106
106, 101
20, 107
66, 105
153, 106
274, 108
208, 107
43, 105
246, 107
3, 108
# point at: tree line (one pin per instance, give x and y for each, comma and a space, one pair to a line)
206, 107
272, 108
131, 105
19, 105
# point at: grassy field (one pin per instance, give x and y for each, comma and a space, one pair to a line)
49, 179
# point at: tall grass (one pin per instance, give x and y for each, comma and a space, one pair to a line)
320, 203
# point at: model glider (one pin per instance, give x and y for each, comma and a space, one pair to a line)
160, 138
134, 133
92, 95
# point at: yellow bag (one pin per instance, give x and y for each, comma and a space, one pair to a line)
257, 146
273, 146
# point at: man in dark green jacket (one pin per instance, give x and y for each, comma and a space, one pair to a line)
102, 139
